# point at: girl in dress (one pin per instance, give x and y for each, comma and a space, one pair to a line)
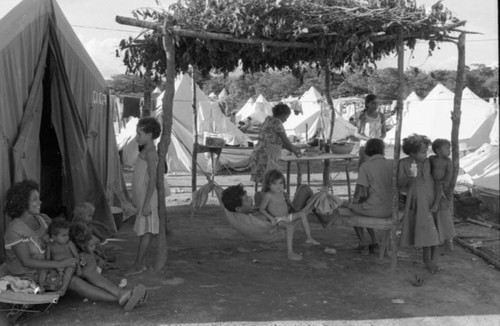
144, 193
371, 124
415, 178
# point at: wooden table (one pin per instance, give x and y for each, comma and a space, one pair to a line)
323, 156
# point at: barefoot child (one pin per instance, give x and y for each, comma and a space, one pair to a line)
442, 169
144, 193
58, 249
275, 206
84, 213
419, 227
85, 244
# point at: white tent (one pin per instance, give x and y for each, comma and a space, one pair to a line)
316, 114
494, 130
258, 111
410, 100
212, 96
210, 119
483, 168
311, 105
223, 94
432, 117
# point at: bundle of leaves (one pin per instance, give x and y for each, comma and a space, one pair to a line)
331, 33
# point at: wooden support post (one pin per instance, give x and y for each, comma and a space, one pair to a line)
456, 114
195, 133
167, 108
397, 149
326, 164
307, 162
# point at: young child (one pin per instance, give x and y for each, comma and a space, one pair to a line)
144, 193
276, 205
59, 248
419, 227
84, 212
90, 271
442, 169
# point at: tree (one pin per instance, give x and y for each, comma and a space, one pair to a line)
126, 84
482, 80
143, 58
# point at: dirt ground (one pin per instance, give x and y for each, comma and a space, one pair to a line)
215, 275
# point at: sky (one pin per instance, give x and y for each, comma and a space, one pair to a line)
94, 23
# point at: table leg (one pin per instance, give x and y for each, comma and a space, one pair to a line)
288, 165
308, 174
299, 173
347, 162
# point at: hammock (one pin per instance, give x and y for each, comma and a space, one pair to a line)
250, 226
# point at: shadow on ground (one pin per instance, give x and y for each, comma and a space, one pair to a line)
213, 274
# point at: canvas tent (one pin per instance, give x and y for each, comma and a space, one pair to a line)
210, 119
432, 117
482, 167
316, 114
55, 122
258, 110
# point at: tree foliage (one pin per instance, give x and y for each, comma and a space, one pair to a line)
346, 33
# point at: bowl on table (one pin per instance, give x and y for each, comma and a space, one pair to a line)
342, 147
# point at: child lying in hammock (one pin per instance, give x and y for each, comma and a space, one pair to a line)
256, 226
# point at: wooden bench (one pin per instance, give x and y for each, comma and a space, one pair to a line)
346, 217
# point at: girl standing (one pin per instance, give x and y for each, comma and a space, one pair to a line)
275, 205
144, 193
419, 226
371, 124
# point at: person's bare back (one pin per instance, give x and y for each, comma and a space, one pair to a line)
439, 167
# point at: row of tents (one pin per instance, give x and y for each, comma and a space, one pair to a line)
429, 116
210, 119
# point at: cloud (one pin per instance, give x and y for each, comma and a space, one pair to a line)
102, 51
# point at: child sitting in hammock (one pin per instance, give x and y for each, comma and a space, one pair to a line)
275, 205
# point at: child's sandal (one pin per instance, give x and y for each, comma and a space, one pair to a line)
138, 293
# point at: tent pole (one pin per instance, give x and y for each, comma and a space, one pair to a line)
167, 109
456, 115
195, 133
397, 149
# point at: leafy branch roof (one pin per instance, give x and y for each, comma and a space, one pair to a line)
349, 32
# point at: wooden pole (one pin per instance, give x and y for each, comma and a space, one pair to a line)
167, 106
491, 260
176, 30
326, 163
213, 36
195, 133
397, 149
456, 114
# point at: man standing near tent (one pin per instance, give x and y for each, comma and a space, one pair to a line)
272, 138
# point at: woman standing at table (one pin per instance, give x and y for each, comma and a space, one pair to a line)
371, 124
272, 138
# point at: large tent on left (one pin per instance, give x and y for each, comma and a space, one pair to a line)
55, 123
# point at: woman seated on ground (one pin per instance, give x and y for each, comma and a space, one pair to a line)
25, 241
373, 195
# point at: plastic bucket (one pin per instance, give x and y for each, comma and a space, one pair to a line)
117, 216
